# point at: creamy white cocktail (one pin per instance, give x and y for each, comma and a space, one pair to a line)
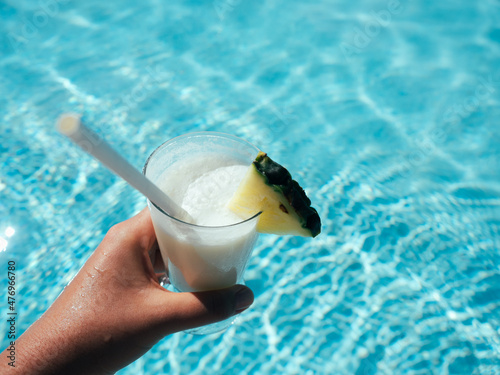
210, 247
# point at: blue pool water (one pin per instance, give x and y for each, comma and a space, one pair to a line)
386, 111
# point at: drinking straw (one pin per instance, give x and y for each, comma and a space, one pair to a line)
71, 126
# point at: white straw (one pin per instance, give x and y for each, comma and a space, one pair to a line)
71, 126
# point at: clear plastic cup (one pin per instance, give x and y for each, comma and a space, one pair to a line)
199, 258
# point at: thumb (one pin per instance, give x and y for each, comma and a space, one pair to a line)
191, 310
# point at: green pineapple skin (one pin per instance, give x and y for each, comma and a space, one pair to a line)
281, 180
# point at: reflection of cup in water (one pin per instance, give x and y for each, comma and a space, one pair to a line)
200, 171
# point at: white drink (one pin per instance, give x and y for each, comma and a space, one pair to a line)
197, 260
212, 250
202, 186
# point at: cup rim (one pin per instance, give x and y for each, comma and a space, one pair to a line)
193, 134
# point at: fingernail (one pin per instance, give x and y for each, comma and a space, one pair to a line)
243, 299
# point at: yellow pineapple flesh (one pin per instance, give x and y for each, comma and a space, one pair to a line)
285, 209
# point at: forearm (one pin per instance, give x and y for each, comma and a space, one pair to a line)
35, 352
47, 348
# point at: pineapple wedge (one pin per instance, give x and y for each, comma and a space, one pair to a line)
268, 188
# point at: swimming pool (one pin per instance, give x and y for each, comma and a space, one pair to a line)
386, 111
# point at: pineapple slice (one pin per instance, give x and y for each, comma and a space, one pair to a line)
268, 187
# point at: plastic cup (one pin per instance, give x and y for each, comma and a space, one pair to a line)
199, 258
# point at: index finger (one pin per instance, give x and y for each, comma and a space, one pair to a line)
137, 232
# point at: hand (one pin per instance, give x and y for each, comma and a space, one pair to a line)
114, 310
